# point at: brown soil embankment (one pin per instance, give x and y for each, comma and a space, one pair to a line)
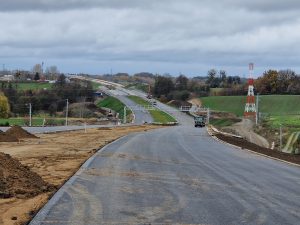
17, 180
256, 148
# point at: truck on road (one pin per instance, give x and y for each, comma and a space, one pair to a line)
199, 121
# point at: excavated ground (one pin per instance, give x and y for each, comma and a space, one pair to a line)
48, 162
248, 145
19, 133
17, 180
7, 138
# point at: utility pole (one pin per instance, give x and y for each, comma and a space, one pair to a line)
257, 113
67, 111
124, 118
30, 113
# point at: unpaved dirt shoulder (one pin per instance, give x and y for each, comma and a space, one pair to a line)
55, 157
244, 144
246, 130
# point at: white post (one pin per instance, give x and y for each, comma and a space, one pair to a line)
280, 134
30, 114
124, 118
85, 128
208, 115
67, 111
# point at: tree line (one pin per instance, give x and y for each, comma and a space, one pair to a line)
181, 88
51, 100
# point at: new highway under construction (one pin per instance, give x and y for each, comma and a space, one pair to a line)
177, 175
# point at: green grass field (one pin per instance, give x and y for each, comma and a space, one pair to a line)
157, 115
36, 121
139, 100
289, 121
116, 105
31, 86
274, 105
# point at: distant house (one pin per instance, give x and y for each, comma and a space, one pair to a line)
7, 78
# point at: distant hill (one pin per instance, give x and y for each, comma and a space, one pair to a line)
271, 104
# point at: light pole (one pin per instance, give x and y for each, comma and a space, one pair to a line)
67, 111
30, 114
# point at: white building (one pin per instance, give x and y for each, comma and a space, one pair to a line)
7, 78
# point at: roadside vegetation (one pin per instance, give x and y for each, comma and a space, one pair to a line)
116, 105
51, 101
223, 122
275, 111
157, 115
36, 121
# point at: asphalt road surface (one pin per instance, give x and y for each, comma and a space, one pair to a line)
39, 130
141, 115
177, 175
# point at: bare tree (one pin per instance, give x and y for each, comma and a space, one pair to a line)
52, 72
37, 69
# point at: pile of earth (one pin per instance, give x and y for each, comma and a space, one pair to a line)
17, 180
19, 133
256, 148
7, 138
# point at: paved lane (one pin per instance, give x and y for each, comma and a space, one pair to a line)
141, 115
177, 175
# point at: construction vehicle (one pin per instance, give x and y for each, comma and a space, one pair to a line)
199, 121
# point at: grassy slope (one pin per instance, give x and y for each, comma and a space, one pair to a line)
114, 104
157, 115
95, 85
271, 104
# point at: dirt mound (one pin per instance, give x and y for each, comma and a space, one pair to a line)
19, 181
177, 103
19, 132
248, 145
7, 138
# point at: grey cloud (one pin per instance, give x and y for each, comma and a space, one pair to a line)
48, 5
167, 33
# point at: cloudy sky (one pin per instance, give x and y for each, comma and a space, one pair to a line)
159, 36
